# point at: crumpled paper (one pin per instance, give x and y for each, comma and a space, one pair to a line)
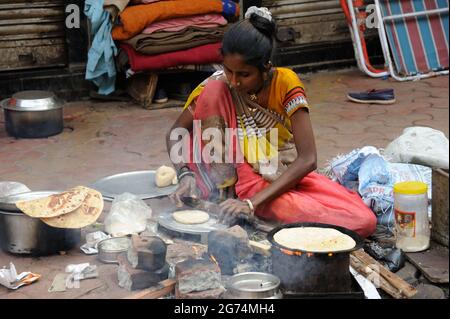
92, 239
10, 279
74, 274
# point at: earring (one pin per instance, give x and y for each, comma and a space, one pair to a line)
238, 84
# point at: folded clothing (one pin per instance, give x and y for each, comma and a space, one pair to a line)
163, 42
135, 19
209, 20
205, 54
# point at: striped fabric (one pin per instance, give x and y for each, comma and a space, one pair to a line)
294, 100
419, 44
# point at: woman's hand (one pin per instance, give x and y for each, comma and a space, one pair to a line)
232, 208
186, 188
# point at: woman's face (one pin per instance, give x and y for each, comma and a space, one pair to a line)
245, 78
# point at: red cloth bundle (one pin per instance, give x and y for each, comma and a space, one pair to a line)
204, 54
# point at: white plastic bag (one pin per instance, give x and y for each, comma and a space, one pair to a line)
420, 145
128, 215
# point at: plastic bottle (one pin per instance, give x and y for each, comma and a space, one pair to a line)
412, 227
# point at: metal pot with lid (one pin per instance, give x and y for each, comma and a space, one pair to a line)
33, 114
253, 285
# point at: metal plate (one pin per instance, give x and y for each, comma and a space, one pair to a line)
139, 183
8, 202
167, 221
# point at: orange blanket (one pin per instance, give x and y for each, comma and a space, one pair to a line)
136, 18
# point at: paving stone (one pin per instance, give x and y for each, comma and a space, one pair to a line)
409, 273
425, 291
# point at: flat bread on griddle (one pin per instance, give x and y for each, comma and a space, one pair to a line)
314, 239
54, 205
191, 217
85, 215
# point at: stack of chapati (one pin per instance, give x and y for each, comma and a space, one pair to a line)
75, 208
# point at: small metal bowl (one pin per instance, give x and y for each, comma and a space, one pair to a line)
253, 285
109, 249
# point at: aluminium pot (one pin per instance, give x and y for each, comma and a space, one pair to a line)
33, 114
22, 234
312, 272
253, 285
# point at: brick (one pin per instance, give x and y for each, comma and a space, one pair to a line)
228, 247
194, 275
147, 253
134, 279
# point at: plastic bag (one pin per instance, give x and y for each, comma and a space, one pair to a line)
374, 169
375, 183
345, 168
128, 215
420, 145
392, 258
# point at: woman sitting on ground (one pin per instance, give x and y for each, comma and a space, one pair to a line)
258, 141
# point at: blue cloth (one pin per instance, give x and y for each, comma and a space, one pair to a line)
229, 8
100, 67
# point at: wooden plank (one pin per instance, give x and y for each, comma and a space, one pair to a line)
397, 282
164, 288
375, 278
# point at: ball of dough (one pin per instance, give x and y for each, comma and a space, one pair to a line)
165, 176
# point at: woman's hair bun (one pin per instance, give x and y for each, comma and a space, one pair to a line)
263, 25
261, 18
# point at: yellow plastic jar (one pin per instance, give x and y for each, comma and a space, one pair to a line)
412, 227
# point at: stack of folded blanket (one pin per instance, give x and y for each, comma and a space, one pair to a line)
154, 35
159, 34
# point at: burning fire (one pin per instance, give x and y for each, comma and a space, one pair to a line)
299, 253
214, 260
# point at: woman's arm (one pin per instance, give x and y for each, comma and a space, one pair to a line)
305, 163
